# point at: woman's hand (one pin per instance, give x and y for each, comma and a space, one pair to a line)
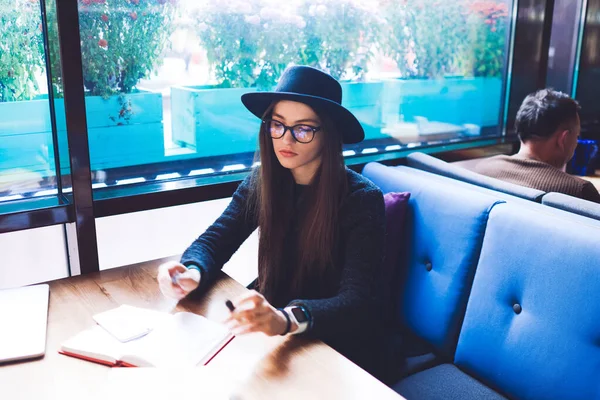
253, 313
187, 279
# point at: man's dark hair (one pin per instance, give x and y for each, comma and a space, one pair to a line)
543, 113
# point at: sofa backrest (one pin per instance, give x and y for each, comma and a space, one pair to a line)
434, 165
462, 185
555, 202
572, 204
444, 233
532, 326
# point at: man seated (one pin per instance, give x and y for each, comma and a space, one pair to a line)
548, 127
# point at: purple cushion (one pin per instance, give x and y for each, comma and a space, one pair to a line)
396, 204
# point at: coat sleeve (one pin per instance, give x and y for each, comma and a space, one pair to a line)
220, 241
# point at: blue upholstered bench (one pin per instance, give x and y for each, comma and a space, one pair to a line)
504, 296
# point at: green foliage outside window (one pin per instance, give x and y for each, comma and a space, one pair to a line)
250, 43
244, 48
122, 41
487, 22
426, 36
21, 49
436, 38
340, 36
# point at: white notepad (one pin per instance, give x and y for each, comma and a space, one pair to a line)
126, 322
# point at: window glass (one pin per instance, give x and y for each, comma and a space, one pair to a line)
163, 78
27, 150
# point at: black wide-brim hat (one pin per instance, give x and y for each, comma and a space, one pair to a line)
314, 88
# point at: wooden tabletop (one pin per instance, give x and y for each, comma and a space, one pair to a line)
258, 367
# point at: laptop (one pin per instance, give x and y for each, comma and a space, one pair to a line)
23, 322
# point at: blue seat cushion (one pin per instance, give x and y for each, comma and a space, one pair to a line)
445, 382
419, 355
415, 364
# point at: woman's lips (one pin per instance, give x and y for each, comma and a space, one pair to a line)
287, 153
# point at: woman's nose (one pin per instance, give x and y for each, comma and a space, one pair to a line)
288, 138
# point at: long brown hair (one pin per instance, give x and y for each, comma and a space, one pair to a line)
272, 201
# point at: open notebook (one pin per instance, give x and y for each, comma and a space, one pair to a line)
180, 340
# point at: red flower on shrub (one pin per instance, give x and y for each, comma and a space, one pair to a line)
86, 2
136, 2
491, 9
104, 17
133, 15
103, 43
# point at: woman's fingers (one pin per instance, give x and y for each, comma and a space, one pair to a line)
258, 323
176, 281
247, 305
189, 280
239, 329
248, 313
251, 316
252, 313
171, 267
247, 329
248, 318
169, 290
163, 279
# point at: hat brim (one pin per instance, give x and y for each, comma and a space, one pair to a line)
351, 130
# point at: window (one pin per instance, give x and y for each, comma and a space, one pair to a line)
27, 148
163, 78
587, 77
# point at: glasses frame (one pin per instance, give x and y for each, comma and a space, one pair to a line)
314, 129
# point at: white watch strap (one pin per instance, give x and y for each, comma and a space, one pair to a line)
302, 326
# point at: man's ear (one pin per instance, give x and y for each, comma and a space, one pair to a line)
561, 139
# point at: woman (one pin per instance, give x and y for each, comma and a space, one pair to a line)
322, 226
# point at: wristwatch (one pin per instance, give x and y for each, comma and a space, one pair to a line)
300, 317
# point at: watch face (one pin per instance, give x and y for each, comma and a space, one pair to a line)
299, 314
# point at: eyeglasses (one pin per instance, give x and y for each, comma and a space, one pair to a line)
301, 133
